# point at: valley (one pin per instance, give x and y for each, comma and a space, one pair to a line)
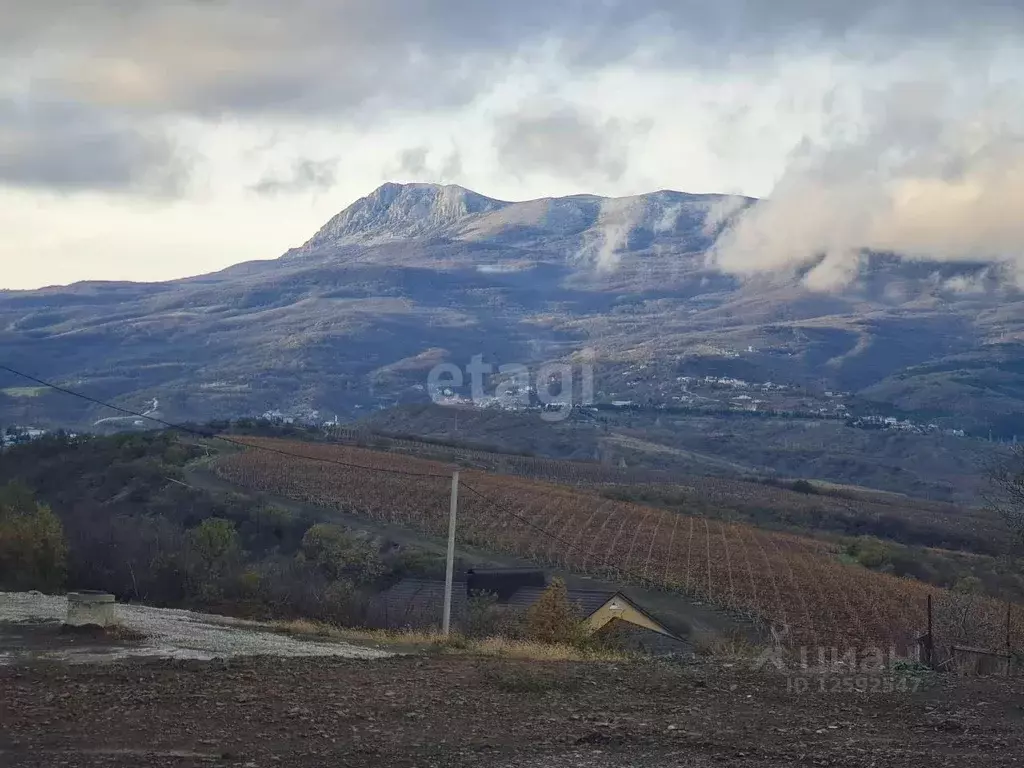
416, 275
394, 384
811, 463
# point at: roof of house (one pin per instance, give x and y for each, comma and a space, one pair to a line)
586, 601
420, 602
637, 638
661, 623
504, 582
416, 602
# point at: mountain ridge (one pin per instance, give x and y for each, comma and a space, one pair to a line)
397, 211
416, 274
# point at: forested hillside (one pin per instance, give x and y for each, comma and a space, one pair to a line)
116, 514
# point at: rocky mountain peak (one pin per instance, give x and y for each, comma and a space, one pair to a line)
586, 224
403, 211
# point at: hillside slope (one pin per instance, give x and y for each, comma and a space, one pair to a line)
413, 275
797, 587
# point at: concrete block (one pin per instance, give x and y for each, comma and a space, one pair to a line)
92, 609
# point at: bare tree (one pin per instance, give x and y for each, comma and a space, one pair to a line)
1005, 496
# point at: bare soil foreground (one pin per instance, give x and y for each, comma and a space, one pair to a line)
467, 711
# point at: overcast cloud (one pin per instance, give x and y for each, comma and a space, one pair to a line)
562, 140
887, 125
304, 175
68, 146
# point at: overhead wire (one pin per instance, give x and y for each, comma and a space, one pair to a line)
268, 449
212, 435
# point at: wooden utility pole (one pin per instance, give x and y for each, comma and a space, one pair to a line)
446, 622
1009, 644
930, 647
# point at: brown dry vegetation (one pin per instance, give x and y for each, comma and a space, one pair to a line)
832, 507
500, 647
796, 585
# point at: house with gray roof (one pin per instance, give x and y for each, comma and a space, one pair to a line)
418, 604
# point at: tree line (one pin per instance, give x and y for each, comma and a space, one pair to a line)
117, 514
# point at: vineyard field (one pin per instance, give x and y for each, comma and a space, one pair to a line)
796, 585
912, 521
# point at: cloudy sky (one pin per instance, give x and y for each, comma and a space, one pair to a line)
146, 140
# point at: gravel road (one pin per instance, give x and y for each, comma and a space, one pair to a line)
168, 633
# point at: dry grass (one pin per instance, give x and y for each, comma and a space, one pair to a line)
309, 628
727, 646
499, 647
534, 651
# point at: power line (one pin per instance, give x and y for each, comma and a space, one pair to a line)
209, 435
518, 517
240, 444
639, 577
543, 531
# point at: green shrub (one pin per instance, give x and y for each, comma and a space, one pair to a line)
969, 585
32, 545
482, 614
215, 539
215, 552
871, 553
553, 619
340, 556
804, 486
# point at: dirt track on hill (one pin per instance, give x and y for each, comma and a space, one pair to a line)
464, 711
686, 617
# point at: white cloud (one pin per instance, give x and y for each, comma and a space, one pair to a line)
889, 125
929, 167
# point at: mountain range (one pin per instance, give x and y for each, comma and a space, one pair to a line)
417, 274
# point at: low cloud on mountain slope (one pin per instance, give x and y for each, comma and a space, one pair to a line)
586, 231
891, 126
413, 274
914, 181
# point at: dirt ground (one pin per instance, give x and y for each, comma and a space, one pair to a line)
468, 711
